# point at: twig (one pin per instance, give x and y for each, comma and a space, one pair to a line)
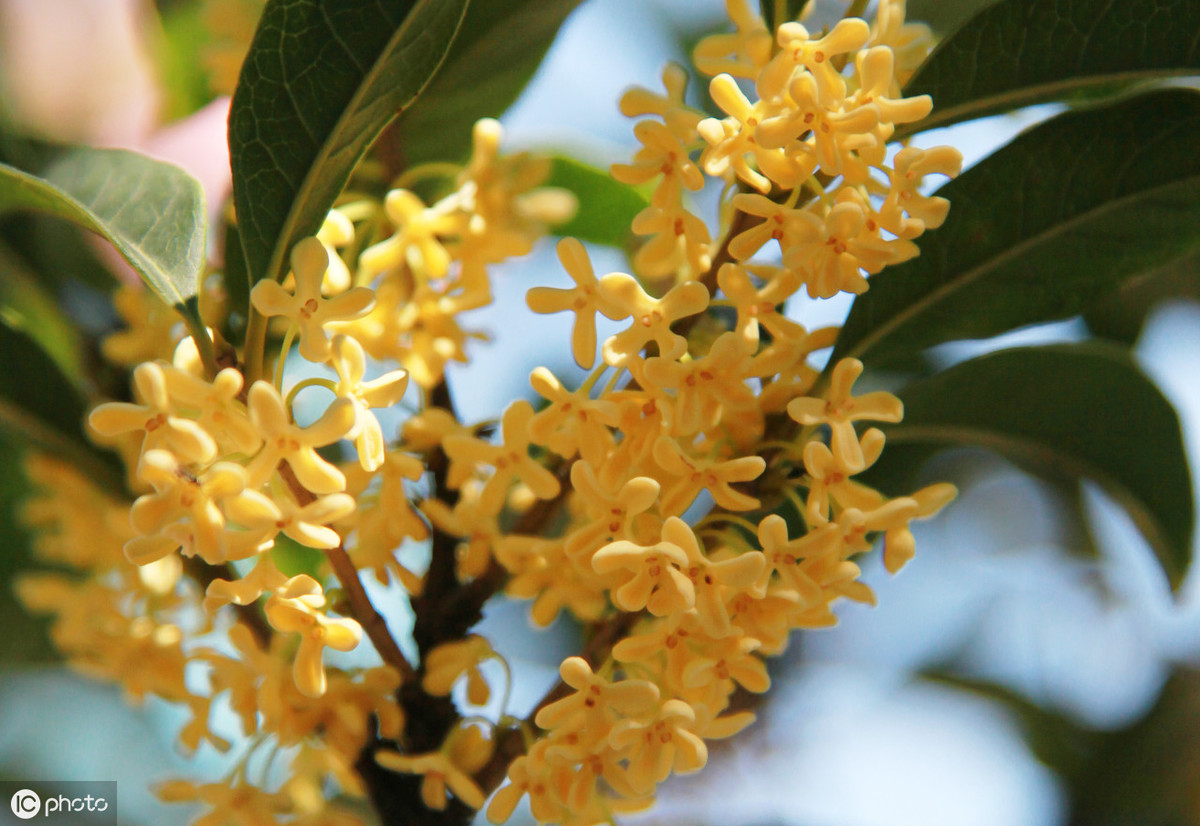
360, 604
248, 615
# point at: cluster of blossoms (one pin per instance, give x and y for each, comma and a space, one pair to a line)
578, 504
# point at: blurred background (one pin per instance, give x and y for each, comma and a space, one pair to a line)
1030, 666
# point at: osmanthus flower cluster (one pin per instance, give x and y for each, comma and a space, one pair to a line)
694, 501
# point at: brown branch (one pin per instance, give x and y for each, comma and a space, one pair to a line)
249, 615
441, 580
510, 744
360, 604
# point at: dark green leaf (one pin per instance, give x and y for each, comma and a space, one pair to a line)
26, 305
237, 281
1143, 775
1055, 740
1019, 52
1066, 411
152, 212
789, 9
942, 16
1120, 315
319, 84
40, 407
1041, 229
500, 45
606, 206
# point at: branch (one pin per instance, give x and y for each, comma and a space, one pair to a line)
360, 604
249, 615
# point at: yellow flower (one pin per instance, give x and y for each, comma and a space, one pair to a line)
574, 422
652, 317
526, 776
899, 546
725, 660
654, 576
906, 212
584, 299
150, 331
876, 74
284, 441
705, 387
840, 409
662, 153
479, 529
830, 252
221, 413
241, 803
306, 307
713, 580
464, 753
308, 524
829, 478
301, 615
731, 140
661, 745
612, 514
510, 459
156, 415
680, 118
263, 578
416, 241
835, 129
910, 42
350, 363
180, 495
679, 238
798, 51
449, 661
742, 53
693, 474
595, 699
759, 306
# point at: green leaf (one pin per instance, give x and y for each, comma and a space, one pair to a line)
606, 206
1042, 228
1020, 52
27, 305
152, 212
499, 47
790, 9
1120, 315
942, 16
40, 407
1065, 411
1055, 740
294, 559
319, 84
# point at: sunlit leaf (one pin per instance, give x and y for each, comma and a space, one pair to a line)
606, 206
152, 212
